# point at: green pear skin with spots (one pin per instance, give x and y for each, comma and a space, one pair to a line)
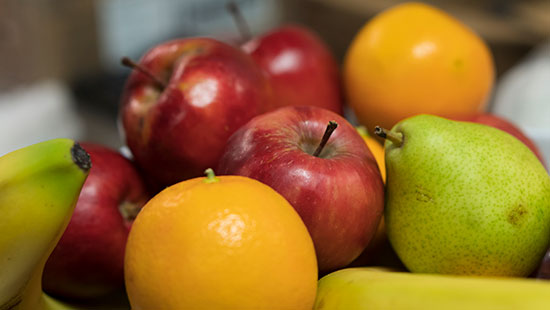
464, 198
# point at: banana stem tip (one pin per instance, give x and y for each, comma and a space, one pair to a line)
80, 157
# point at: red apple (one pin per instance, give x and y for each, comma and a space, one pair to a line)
300, 67
379, 252
88, 260
339, 193
504, 125
543, 272
196, 93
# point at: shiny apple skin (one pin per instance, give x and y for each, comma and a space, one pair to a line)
339, 195
88, 261
506, 126
213, 89
300, 67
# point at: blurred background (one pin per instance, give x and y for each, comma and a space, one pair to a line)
60, 72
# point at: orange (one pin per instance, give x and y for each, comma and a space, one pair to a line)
412, 59
376, 149
225, 242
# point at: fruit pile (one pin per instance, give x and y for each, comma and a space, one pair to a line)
248, 188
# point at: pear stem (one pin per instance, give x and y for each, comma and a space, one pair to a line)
127, 62
239, 20
395, 138
210, 176
328, 132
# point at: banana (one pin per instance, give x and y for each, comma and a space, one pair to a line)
372, 288
39, 187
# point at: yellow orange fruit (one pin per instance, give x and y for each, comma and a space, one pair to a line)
376, 149
412, 59
225, 242
380, 236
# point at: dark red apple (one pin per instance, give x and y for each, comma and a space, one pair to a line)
504, 125
88, 260
379, 252
300, 67
338, 192
177, 123
543, 272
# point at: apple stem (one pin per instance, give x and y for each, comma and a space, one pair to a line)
239, 20
210, 176
129, 210
328, 132
127, 62
395, 138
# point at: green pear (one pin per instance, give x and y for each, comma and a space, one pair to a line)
464, 198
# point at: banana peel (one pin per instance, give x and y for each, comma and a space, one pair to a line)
39, 187
381, 288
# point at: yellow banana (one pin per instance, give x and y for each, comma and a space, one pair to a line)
372, 288
39, 187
